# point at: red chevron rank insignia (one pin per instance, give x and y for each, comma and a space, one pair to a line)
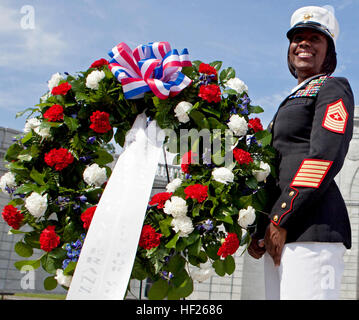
311, 173
336, 117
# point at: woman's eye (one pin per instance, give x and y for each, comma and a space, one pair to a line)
297, 39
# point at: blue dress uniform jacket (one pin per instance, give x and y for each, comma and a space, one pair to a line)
311, 133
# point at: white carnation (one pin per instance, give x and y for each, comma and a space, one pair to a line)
246, 217
261, 175
7, 180
62, 279
238, 125
94, 78
36, 204
176, 207
31, 123
94, 175
181, 111
237, 84
173, 185
43, 132
203, 273
183, 225
34, 124
223, 175
54, 81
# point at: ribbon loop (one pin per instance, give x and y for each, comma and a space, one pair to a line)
152, 67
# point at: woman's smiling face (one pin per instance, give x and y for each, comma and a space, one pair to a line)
307, 52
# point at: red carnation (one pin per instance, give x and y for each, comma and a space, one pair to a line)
207, 69
197, 191
211, 93
61, 89
49, 239
229, 246
100, 122
54, 113
99, 63
12, 216
59, 158
255, 124
242, 157
87, 215
187, 159
149, 238
160, 199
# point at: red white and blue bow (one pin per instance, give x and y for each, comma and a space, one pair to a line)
152, 67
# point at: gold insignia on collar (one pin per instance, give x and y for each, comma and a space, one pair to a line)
307, 16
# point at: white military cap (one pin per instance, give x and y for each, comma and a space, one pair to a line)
321, 19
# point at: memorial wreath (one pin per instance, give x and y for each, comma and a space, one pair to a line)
59, 166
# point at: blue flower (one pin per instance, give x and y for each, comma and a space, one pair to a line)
91, 140
83, 198
208, 225
65, 263
244, 108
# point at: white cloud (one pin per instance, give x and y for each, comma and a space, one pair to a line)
27, 47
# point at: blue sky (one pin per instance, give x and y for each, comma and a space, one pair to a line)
247, 35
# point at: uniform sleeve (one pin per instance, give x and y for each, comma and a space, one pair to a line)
332, 129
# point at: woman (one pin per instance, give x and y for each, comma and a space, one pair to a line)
308, 229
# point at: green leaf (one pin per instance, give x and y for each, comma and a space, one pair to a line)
227, 74
71, 232
21, 113
50, 283
33, 263
215, 112
138, 270
37, 176
185, 288
216, 64
165, 226
245, 201
219, 267
230, 92
215, 124
251, 183
212, 251
172, 242
176, 264
13, 152
27, 137
195, 248
50, 264
200, 119
229, 265
196, 64
158, 290
69, 271
255, 109
103, 157
32, 239
264, 137
23, 249
71, 123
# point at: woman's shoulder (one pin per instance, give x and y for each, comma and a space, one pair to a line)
337, 83
338, 80
335, 88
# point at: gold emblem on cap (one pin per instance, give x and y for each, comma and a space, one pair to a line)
307, 16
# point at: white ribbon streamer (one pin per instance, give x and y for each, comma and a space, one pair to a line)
105, 264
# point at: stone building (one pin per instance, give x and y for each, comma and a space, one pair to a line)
245, 283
